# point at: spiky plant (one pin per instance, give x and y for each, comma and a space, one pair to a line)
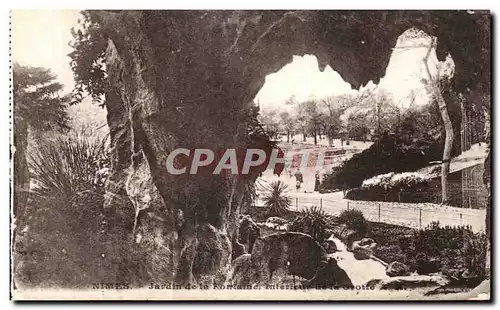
276, 200
66, 165
312, 221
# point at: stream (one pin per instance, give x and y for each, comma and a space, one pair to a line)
359, 271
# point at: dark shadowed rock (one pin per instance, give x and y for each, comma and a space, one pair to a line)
329, 275
237, 250
396, 269
330, 246
426, 265
286, 253
275, 257
363, 249
248, 232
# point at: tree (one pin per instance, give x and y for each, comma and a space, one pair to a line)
270, 119
311, 118
88, 60
357, 128
336, 106
288, 124
39, 107
433, 87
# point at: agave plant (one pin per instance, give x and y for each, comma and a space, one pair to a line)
276, 200
312, 221
66, 165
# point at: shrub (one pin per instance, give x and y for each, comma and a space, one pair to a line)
390, 153
397, 181
312, 221
354, 219
66, 165
396, 187
65, 243
276, 200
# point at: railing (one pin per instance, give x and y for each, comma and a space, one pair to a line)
414, 215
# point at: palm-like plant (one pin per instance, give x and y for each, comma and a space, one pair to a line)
312, 221
276, 200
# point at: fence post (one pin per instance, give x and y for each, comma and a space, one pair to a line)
321, 202
348, 206
379, 212
297, 203
420, 217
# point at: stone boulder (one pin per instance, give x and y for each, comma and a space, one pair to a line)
330, 246
364, 248
396, 269
408, 282
329, 275
275, 257
240, 273
426, 265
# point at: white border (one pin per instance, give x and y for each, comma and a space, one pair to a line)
189, 4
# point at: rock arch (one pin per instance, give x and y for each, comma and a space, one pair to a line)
184, 78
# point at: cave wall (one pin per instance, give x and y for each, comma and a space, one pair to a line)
184, 79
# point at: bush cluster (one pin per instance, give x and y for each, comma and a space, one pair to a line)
457, 252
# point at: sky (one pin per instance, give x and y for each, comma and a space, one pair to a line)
40, 38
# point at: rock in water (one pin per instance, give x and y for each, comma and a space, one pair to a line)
330, 246
363, 249
396, 269
329, 275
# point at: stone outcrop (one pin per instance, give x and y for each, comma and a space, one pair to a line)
185, 78
329, 275
396, 269
277, 256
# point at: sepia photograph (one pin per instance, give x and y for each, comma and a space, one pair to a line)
244, 155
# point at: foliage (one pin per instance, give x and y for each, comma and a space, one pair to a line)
389, 186
276, 200
357, 128
312, 221
67, 165
393, 180
455, 251
354, 219
37, 103
87, 59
